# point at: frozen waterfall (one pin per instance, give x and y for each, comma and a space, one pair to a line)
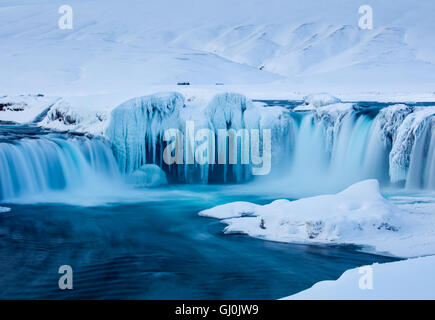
332, 146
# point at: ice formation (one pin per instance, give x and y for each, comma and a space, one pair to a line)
412, 156
137, 126
226, 110
331, 147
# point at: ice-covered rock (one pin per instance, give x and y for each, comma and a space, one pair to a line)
137, 125
411, 141
279, 122
149, 175
332, 117
225, 111
388, 121
314, 101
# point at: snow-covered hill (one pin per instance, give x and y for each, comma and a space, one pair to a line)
129, 45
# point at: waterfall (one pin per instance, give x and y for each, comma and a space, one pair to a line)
36, 165
327, 147
335, 149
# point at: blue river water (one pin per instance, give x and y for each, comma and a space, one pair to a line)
160, 249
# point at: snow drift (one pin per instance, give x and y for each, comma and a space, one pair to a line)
403, 280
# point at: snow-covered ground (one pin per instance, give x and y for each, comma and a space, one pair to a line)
410, 279
276, 47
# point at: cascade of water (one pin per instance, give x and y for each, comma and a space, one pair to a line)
33, 166
335, 151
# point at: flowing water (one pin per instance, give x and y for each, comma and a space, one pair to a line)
155, 250
70, 206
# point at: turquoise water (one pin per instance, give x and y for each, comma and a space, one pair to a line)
156, 249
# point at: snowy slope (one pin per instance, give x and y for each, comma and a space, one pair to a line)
409, 279
115, 46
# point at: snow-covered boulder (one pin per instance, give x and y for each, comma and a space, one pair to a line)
137, 126
314, 101
149, 175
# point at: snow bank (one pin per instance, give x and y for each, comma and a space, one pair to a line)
24, 108
149, 175
65, 115
409, 279
314, 101
358, 215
